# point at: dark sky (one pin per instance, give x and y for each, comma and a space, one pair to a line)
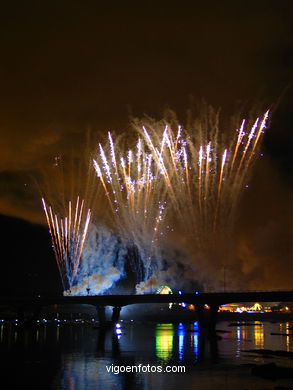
69, 65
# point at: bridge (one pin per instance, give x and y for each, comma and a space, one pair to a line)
199, 300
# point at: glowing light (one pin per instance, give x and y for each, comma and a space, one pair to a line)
181, 335
195, 344
258, 335
256, 307
164, 341
164, 290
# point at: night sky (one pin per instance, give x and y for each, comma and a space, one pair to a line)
67, 66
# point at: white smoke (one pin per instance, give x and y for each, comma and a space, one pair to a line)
102, 263
175, 269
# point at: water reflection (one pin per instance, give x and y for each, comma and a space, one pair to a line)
84, 373
258, 334
286, 329
195, 344
101, 341
287, 324
181, 334
78, 355
116, 344
238, 334
164, 341
245, 334
167, 344
1, 332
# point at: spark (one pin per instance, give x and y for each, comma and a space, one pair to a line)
68, 239
204, 177
134, 193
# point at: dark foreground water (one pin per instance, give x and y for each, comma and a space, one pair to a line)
78, 357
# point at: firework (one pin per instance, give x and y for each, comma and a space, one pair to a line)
136, 196
69, 198
68, 234
203, 176
190, 179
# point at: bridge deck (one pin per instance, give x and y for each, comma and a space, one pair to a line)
217, 298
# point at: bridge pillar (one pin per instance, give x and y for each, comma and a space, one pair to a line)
199, 308
213, 317
101, 311
116, 313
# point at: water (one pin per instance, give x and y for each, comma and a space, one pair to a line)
76, 356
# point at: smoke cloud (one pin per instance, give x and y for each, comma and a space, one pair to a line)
102, 263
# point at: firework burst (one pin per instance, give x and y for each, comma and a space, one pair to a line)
136, 195
68, 234
69, 198
204, 176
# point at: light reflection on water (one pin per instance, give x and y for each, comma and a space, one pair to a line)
195, 344
77, 356
247, 334
164, 341
258, 335
181, 334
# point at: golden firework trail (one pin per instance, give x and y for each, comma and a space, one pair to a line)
68, 236
204, 178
